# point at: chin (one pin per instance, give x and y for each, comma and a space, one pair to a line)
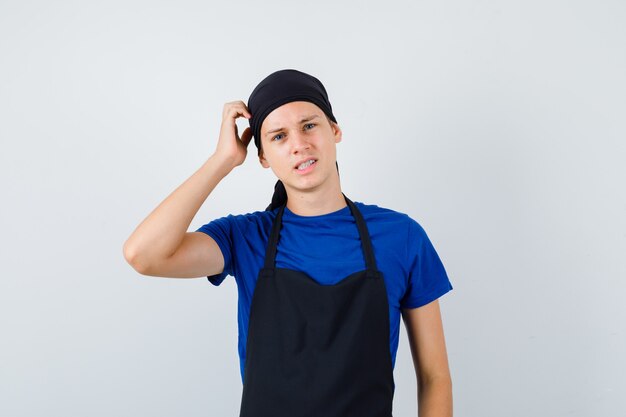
302, 185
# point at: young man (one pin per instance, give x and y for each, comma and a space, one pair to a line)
322, 280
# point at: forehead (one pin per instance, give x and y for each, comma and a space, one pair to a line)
289, 113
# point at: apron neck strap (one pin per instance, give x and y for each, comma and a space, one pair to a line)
366, 244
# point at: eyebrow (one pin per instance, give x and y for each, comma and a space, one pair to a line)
304, 119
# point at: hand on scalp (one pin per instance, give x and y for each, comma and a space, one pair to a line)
230, 146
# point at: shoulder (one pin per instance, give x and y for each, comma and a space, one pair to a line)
385, 216
388, 221
253, 216
260, 218
242, 223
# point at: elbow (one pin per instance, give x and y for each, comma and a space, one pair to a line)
133, 258
441, 380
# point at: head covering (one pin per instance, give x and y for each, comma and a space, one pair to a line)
278, 88
282, 87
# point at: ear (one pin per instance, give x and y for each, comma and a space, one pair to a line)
262, 160
336, 132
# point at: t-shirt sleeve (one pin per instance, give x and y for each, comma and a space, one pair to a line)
221, 231
428, 279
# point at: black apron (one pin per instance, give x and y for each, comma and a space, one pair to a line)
318, 350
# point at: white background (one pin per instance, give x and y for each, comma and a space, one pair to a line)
498, 126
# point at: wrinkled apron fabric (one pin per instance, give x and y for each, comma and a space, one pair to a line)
318, 350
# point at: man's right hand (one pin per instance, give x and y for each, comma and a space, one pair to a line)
230, 146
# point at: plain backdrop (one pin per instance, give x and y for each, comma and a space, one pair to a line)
498, 126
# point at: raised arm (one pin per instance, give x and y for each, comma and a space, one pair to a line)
161, 245
430, 359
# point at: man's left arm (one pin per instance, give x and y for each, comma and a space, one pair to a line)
428, 349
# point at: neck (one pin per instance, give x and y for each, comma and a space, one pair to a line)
316, 202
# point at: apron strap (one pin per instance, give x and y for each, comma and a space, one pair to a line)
366, 244
272, 244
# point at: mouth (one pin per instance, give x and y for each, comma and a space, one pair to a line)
304, 165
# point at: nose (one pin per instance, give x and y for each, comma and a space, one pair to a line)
299, 142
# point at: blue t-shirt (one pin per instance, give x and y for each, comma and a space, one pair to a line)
328, 248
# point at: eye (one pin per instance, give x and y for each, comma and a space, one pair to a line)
274, 138
310, 124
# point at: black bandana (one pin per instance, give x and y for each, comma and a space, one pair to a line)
282, 87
